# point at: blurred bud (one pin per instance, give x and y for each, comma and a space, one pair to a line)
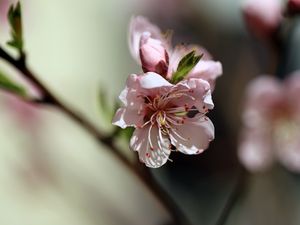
293, 7
26, 114
153, 54
263, 18
4, 6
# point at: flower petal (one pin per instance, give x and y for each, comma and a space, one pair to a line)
133, 111
138, 26
129, 93
208, 102
263, 96
264, 87
199, 94
152, 146
152, 80
208, 70
194, 136
255, 149
127, 117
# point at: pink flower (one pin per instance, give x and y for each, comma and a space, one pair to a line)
262, 17
164, 116
271, 124
154, 52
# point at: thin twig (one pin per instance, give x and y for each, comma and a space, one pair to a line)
233, 197
49, 98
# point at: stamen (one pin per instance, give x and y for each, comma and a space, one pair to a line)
174, 122
149, 137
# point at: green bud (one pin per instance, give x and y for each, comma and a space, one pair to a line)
15, 21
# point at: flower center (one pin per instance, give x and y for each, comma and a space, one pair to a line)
162, 112
286, 130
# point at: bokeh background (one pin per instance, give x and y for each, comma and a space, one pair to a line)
53, 172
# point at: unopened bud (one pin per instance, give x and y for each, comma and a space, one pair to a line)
154, 57
263, 18
293, 7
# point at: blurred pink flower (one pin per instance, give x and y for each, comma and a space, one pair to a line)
160, 112
293, 7
25, 113
154, 52
271, 124
4, 6
262, 17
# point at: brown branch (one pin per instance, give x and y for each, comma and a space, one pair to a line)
49, 98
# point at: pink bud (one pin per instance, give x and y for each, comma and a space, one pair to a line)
153, 54
262, 17
293, 7
4, 6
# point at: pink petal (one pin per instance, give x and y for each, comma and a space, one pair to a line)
255, 149
129, 93
199, 94
194, 136
132, 112
208, 102
154, 154
208, 70
152, 80
128, 117
263, 96
139, 25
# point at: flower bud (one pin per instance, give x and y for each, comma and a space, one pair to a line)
263, 18
154, 57
293, 7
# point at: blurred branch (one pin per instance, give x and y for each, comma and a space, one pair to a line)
234, 196
142, 174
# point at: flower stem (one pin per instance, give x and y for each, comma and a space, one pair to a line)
49, 98
233, 197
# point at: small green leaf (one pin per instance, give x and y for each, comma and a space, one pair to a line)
186, 64
9, 85
15, 21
